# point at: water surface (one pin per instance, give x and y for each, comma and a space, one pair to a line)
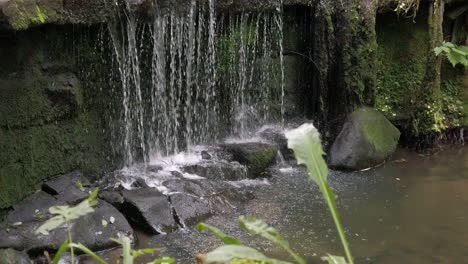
413, 209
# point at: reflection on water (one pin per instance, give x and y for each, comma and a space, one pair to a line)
414, 210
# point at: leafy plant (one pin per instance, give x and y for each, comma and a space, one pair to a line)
258, 227
455, 54
227, 240
306, 144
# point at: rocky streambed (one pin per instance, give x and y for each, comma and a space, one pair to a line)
165, 196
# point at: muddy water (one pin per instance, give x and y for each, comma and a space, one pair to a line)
411, 210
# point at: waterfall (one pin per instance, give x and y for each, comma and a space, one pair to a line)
191, 76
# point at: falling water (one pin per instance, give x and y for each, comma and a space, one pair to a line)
191, 76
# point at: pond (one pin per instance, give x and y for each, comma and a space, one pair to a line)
413, 209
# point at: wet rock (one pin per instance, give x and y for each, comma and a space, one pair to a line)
205, 155
189, 209
87, 230
256, 156
149, 209
275, 135
66, 188
90, 231
33, 208
218, 170
207, 197
65, 88
367, 139
11, 256
114, 198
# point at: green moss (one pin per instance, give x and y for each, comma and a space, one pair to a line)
34, 154
401, 72
46, 132
259, 160
361, 55
24, 14
378, 131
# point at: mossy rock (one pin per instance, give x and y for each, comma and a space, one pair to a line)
367, 139
256, 156
11, 256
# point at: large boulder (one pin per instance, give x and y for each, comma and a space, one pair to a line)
33, 208
150, 209
367, 139
255, 155
88, 230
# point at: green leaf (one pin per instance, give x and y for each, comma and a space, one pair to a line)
141, 252
334, 259
455, 58
88, 252
228, 253
258, 227
63, 248
167, 260
93, 196
80, 186
228, 240
438, 51
307, 147
125, 242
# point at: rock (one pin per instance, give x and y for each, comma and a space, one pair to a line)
367, 139
33, 208
11, 256
256, 156
65, 88
218, 170
114, 198
190, 209
87, 230
205, 155
275, 135
66, 187
196, 200
90, 231
150, 209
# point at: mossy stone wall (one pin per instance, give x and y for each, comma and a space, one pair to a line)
403, 49
47, 125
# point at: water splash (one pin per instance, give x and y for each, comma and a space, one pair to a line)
192, 76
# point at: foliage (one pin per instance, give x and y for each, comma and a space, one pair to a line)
455, 54
306, 144
258, 227
228, 253
227, 240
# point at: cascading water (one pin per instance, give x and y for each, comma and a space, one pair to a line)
191, 76
251, 63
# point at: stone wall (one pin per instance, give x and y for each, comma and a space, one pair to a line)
48, 125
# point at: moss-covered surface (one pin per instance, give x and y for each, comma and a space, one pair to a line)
378, 131
401, 72
22, 14
50, 122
